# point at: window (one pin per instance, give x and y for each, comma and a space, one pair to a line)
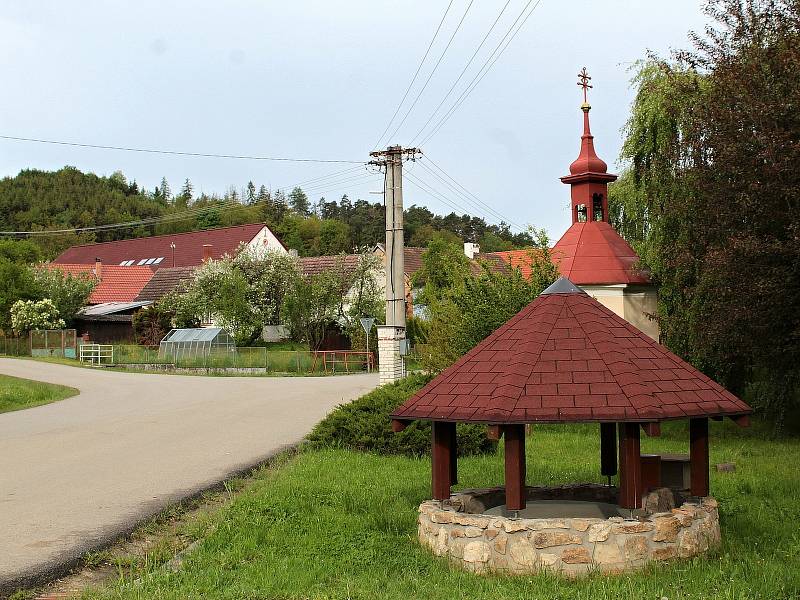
597, 207
580, 211
149, 261
158, 260
141, 262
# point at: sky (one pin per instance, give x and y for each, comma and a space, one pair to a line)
320, 79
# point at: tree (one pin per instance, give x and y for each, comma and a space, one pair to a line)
250, 193
67, 292
165, 191
710, 198
242, 293
298, 201
27, 315
463, 308
151, 324
186, 191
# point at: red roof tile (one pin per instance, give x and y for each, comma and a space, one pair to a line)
563, 385
117, 284
188, 247
593, 253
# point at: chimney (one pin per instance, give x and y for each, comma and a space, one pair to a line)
470, 250
293, 252
207, 248
98, 269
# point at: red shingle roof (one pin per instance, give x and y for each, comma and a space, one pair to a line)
165, 281
593, 253
520, 259
567, 358
188, 247
117, 284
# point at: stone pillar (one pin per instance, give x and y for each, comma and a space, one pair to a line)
391, 366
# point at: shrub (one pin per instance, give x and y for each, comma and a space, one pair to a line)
364, 425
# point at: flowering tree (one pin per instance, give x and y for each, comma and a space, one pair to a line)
35, 314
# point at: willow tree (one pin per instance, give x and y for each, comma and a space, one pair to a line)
709, 196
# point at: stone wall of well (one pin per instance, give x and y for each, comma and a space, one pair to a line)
573, 547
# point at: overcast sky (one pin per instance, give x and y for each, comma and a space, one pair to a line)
320, 79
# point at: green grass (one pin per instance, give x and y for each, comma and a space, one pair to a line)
341, 524
17, 393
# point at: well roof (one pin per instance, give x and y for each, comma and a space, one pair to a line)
567, 358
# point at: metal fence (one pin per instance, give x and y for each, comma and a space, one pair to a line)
15, 346
60, 343
270, 361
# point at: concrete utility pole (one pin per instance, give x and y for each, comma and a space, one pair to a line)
391, 337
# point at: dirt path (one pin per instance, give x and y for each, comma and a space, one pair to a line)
77, 473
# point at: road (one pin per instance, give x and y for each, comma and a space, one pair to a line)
77, 473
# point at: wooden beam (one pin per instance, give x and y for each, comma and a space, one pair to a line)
742, 420
398, 425
652, 429
698, 456
515, 466
441, 455
494, 432
608, 449
453, 455
630, 467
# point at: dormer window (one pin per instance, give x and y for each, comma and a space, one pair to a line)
597, 207
581, 213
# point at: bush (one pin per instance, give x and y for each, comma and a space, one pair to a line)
364, 425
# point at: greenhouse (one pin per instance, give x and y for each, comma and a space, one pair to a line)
201, 343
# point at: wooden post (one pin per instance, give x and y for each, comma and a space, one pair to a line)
515, 466
453, 455
608, 449
698, 456
630, 467
441, 454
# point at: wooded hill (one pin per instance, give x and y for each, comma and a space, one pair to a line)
69, 198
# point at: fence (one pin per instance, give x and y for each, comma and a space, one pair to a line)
59, 343
97, 353
271, 361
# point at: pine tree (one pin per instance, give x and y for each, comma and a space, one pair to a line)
166, 192
186, 190
298, 200
250, 194
263, 195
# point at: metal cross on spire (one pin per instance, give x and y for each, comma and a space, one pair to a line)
584, 83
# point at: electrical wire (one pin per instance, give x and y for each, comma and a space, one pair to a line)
464, 70
416, 74
426, 187
465, 193
176, 152
436, 66
488, 64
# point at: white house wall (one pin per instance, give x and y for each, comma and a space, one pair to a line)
265, 241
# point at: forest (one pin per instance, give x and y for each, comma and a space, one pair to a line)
68, 198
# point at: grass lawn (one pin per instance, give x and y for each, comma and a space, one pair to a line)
341, 524
17, 393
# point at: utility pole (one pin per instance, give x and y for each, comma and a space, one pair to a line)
392, 336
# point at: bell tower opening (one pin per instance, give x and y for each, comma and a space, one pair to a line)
581, 214
597, 207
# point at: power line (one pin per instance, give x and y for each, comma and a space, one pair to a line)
469, 62
438, 195
176, 152
466, 192
416, 74
436, 66
485, 68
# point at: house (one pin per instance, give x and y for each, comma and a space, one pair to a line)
189, 249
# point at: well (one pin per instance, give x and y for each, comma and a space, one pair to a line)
565, 358
471, 531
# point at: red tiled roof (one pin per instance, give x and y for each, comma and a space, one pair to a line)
188, 247
165, 281
563, 358
117, 284
314, 265
519, 259
593, 253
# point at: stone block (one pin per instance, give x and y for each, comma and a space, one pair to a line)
523, 553
635, 548
580, 524
539, 524
500, 543
665, 553
633, 527
578, 555
599, 532
607, 554
547, 539
476, 552
667, 529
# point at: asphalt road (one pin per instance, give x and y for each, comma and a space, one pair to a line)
77, 473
